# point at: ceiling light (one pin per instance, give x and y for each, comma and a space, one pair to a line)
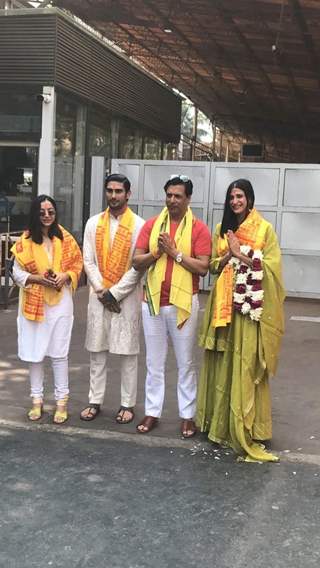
167, 30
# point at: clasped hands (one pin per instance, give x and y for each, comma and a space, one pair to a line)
166, 245
234, 245
52, 280
108, 301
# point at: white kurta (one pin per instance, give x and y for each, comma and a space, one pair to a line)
51, 337
106, 331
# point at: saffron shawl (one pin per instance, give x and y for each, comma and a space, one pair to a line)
33, 258
114, 261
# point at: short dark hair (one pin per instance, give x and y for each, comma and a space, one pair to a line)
119, 178
180, 180
229, 220
34, 224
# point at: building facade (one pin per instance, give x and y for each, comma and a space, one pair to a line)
69, 103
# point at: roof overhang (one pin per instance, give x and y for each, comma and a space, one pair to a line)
252, 66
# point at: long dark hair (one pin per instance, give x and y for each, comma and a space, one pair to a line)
229, 220
34, 225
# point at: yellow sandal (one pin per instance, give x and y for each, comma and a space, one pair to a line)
61, 413
35, 413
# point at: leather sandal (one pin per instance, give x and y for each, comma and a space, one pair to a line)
121, 412
35, 413
92, 412
148, 423
61, 412
188, 428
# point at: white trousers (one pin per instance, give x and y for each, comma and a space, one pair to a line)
157, 329
60, 375
98, 378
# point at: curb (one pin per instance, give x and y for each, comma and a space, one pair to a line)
141, 440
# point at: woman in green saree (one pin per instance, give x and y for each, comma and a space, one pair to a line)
242, 328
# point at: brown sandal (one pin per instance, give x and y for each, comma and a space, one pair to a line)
121, 412
148, 423
188, 428
92, 412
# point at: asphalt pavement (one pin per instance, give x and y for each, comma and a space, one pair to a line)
79, 501
99, 494
295, 389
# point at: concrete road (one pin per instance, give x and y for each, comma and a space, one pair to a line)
76, 500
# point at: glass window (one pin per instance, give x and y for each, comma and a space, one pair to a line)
69, 163
170, 151
99, 135
152, 148
20, 116
18, 183
130, 141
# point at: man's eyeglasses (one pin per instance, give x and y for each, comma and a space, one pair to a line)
50, 212
182, 177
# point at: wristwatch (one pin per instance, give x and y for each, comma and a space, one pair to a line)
179, 257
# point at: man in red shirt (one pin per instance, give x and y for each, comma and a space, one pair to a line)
174, 248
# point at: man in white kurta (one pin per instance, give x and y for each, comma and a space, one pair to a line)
108, 331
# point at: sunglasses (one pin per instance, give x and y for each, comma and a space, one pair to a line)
182, 177
50, 212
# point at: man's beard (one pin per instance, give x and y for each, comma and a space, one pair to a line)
117, 206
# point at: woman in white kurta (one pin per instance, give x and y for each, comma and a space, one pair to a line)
47, 267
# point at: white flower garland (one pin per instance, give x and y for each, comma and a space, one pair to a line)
248, 292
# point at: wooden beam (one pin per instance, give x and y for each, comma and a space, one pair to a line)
280, 58
193, 49
196, 96
247, 87
221, 100
306, 37
227, 16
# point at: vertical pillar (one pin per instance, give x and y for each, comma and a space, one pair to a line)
220, 148
161, 150
97, 184
227, 152
46, 148
194, 135
78, 170
213, 126
115, 127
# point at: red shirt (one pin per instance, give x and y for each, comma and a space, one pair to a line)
200, 245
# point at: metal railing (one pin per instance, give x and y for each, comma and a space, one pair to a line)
7, 285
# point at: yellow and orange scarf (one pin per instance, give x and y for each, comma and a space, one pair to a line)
114, 261
252, 233
181, 282
33, 258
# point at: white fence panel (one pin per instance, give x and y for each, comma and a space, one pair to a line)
288, 195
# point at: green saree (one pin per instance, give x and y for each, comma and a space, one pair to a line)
234, 404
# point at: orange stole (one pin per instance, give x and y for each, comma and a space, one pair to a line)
114, 261
252, 233
33, 259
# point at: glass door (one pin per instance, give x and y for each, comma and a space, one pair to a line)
18, 184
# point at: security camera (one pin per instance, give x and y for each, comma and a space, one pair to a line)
43, 98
